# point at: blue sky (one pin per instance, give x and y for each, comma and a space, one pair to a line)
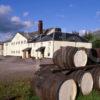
70, 15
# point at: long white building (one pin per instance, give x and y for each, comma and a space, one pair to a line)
42, 43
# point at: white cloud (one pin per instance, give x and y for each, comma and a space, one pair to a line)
5, 9
25, 14
15, 19
28, 24
82, 32
9, 23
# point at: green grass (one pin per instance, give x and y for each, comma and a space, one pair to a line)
95, 95
24, 90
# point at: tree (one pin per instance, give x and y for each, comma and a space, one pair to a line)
96, 43
89, 36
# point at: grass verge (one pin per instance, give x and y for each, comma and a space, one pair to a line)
22, 90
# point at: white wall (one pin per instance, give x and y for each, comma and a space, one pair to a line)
19, 42
58, 44
48, 49
15, 47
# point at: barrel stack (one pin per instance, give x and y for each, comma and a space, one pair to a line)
69, 74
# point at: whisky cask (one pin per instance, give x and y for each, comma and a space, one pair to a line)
83, 79
68, 57
50, 86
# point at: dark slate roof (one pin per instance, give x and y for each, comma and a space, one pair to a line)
1, 43
9, 40
59, 36
28, 36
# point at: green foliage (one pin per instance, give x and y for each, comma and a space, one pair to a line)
89, 36
96, 43
95, 95
93, 38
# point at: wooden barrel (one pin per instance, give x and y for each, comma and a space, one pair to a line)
98, 52
68, 57
84, 80
94, 56
96, 77
51, 86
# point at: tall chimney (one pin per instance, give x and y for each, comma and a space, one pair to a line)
40, 26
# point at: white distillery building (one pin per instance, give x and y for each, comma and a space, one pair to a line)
1, 49
42, 43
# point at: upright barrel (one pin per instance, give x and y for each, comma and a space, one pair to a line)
68, 57
51, 86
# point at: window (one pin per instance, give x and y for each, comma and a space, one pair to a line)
49, 43
6, 44
21, 42
18, 51
12, 52
24, 41
18, 42
48, 54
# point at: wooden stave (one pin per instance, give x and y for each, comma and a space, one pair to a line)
92, 53
71, 56
57, 59
96, 75
50, 93
77, 75
98, 52
66, 55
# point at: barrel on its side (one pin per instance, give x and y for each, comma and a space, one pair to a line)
51, 86
68, 57
94, 56
84, 80
96, 77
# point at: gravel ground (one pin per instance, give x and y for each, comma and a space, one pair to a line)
14, 68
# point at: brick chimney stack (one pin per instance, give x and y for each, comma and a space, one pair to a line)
40, 26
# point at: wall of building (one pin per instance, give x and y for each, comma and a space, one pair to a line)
52, 46
47, 52
1, 49
19, 43
58, 44
15, 47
